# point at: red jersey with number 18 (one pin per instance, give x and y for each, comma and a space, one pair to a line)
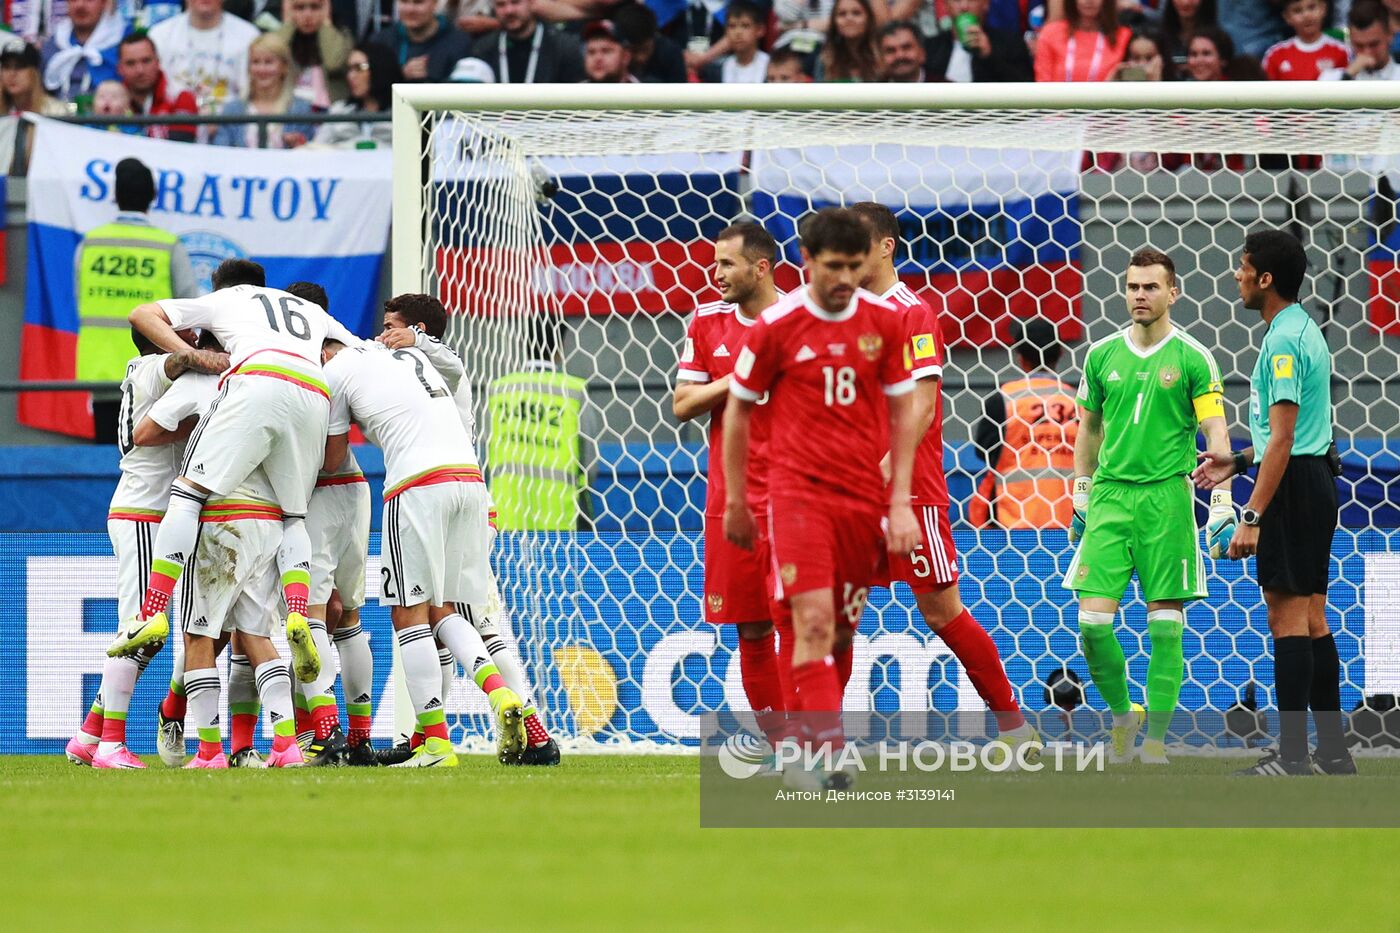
828, 376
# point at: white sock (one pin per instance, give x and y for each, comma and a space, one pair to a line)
356, 664
275, 688
179, 528
325, 683
507, 660
458, 635
242, 688
447, 663
202, 695
422, 674
118, 682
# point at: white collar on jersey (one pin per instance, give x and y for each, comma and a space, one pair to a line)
1144, 354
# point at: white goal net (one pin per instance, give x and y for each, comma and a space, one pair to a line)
596, 210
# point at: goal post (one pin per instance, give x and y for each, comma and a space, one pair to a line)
592, 208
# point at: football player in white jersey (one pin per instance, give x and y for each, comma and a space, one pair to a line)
137, 506
271, 412
338, 522
232, 589
422, 324
435, 527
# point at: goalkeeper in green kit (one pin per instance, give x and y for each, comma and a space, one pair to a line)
1144, 391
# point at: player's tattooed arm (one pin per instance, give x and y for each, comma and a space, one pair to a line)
191, 360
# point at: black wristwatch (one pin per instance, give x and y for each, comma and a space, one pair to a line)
1249, 517
1240, 463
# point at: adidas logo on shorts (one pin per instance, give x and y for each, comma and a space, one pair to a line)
416, 591
198, 468
434, 703
200, 622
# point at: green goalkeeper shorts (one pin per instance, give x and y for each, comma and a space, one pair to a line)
1147, 527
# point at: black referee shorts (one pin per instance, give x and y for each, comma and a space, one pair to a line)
1295, 531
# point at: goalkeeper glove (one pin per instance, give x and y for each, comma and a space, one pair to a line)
1220, 523
1082, 485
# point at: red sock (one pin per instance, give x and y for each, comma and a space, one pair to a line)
359, 730
302, 718
820, 696
241, 728
437, 730
157, 597
173, 706
416, 739
208, 750
844, 659
535, 732
758, 668
782, 625
114, 730
977, 653
92, 724
295, 595
324, 720
281, 743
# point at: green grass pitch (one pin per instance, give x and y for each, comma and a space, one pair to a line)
615, 843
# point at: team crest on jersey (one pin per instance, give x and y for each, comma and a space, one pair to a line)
1168, 376
789, 574
870, 345
716, 602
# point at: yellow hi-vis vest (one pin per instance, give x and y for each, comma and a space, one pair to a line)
119, 267
536, 476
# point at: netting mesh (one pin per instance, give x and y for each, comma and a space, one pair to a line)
603, 222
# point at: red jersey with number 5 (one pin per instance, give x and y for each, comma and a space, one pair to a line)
827, 376
712, 343
925, 359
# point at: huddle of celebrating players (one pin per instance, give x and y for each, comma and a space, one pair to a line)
243, 483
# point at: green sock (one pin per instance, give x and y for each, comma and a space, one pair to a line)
1164, 670
1107, 666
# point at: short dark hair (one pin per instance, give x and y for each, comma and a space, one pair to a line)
144, 346
897, 26
1366, 13
837, 229
743, 8
310, 291
135, 37
1148, 256
1037, 342
135, 186
233, 272
757, 243
785, 56
424, 310
1280, 254
878, 218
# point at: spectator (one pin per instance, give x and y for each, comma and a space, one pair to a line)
1147, 55
1209, 54
1253, 25
1393, 6
371, 71
655, 58
425, 44
22, 91
111, 99
476, 17
1087, 45
982, 54
523, 51
1370, 36
849, 53
1310, 51
82, 52
319, 51
785, 67
607, 59
700, 31
902, 56
811, 15
206, 50
1026, 438
1181, 20
149, 90
270, 92
744, 27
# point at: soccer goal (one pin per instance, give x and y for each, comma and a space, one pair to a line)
595, 208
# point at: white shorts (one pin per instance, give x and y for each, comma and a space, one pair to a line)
234, 583
338, 523
131, 543
436, 546
259, 421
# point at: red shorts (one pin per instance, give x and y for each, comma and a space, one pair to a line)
737, 581
825, 545
934, 563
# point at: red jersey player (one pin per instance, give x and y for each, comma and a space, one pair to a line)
831, 358
736, 580
1311, 51
931, 569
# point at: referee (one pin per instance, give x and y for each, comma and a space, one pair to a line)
1291, 517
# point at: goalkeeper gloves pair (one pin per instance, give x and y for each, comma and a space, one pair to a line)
1220, 521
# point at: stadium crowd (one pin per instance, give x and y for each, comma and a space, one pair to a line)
297, 57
